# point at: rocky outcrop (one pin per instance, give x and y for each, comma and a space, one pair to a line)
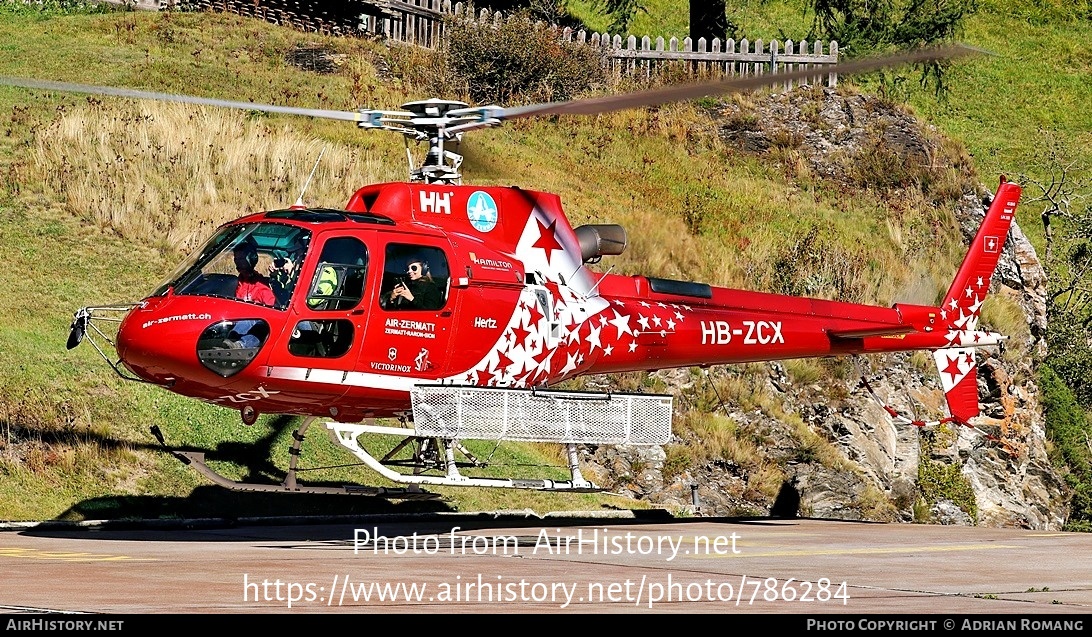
997, 474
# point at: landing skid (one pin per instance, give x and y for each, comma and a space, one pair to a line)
427, 453
439, 454
444, 415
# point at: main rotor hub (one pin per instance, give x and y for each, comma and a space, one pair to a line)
437, 122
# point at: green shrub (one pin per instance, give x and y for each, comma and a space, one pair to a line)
938, 481
518, 61
1070, 352
1069, 430
57, 7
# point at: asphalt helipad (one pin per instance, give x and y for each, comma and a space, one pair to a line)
509, 563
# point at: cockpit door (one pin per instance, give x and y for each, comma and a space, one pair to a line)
414, 314
327, 317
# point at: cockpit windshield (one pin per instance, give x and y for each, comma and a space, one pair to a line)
257, 263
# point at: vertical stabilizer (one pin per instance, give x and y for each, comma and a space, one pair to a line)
963, 303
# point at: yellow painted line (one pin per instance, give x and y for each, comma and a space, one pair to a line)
35, 554
860, 551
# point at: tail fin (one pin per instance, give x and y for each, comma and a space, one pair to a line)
972, 282
963, 302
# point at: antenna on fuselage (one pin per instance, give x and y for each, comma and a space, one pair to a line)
299, 202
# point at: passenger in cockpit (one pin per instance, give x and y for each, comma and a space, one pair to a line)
420, 292
286, 271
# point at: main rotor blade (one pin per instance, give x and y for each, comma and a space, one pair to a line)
659, 96
352, 116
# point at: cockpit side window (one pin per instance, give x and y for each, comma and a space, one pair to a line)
338, 283
414, 278
254, 263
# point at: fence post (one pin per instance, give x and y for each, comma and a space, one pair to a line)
631, 61
788, 66
832, 78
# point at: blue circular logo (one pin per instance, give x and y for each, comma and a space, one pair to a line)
482, 211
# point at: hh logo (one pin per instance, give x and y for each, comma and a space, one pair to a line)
438, 202
991, 244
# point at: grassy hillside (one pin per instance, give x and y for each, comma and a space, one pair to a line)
77, 231
1007, 108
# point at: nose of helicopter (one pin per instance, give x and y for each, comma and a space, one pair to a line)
165, 341
152, 343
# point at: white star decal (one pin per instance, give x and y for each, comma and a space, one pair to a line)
633, 346
962, 318
593, 338
643, 321
570, 364
573, 336
545, 366
621, 323
656, 321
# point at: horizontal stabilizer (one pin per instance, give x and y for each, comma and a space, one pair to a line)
974, 338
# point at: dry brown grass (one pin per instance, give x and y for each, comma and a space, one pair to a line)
172, 172
711, 436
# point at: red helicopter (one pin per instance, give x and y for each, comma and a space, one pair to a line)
453, 308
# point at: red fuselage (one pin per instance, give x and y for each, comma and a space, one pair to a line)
517, 307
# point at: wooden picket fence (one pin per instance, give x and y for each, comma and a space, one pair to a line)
422, 23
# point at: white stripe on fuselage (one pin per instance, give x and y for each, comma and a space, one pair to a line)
340, 377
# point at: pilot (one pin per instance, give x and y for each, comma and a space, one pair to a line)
420, 292
252, 286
